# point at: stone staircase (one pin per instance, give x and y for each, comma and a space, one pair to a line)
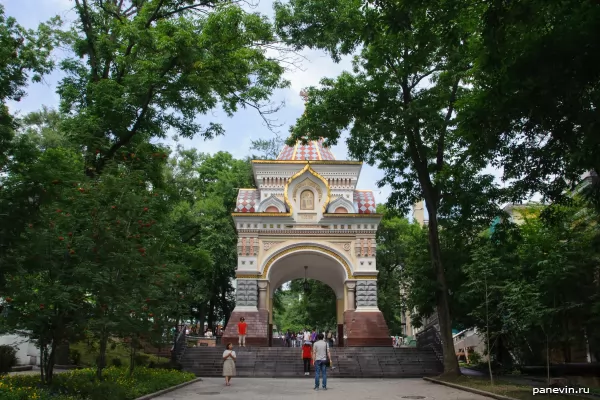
349, 362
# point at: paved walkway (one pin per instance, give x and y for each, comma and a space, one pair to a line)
297, 388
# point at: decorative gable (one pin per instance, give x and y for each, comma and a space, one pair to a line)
272, 201
341, 202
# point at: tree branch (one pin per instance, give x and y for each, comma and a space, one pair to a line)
134, 129
207, 3
83, 9
418, 79
442, 138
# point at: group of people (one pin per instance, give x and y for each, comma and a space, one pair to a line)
315, 351
293, 339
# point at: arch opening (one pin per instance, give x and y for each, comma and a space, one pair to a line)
321, 267
297, 311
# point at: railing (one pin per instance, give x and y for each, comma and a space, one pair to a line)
180, 345
430, 339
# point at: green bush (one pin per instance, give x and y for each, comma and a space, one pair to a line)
474, 358
8, 358
165, 365
107, 391
141, 360
117, 362
82, 384
75, 356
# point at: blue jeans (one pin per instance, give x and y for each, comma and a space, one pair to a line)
320, 369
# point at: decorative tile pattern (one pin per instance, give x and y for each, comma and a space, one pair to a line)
246, 293
313, 150
364, 202
326, 153
366, 293
247, 200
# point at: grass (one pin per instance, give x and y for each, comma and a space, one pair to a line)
89, 354
504, 388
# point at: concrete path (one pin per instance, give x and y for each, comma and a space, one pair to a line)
297, 388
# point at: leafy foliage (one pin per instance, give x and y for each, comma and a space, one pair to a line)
24, 56
297, 310
142, 68
533, 107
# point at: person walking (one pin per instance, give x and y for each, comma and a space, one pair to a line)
228, 363
306, 335
306, 357
330, 338
320, 355
242, 330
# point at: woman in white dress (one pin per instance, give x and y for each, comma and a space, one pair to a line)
228, 363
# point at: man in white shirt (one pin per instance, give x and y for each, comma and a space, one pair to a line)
320, 355
306, 335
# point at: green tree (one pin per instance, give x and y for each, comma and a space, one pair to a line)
142, 68
46, 298
536, 93
414, 59
395, 251
24, 56
204, 191
268, 149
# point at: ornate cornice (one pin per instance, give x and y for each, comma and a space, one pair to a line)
324, 232
261, 214
331, 162
248, 276
354, 215
285, 252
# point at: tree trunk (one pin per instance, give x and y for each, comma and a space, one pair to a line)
211, 314
547, 360
102, 355
487, 327
226, 312
132, 353
451, 367
202, 319
50, 364
43, 353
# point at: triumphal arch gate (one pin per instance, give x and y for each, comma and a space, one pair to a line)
307, 218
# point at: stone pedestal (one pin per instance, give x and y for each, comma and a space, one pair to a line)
366, 329
340, 335
257, 333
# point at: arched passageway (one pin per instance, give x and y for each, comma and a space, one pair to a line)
317, 267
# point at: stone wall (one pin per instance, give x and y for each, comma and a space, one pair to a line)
246, 293
366, 293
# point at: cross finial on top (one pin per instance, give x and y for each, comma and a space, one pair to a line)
304, 95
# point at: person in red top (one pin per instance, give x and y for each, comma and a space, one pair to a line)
306, 357
242, 328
